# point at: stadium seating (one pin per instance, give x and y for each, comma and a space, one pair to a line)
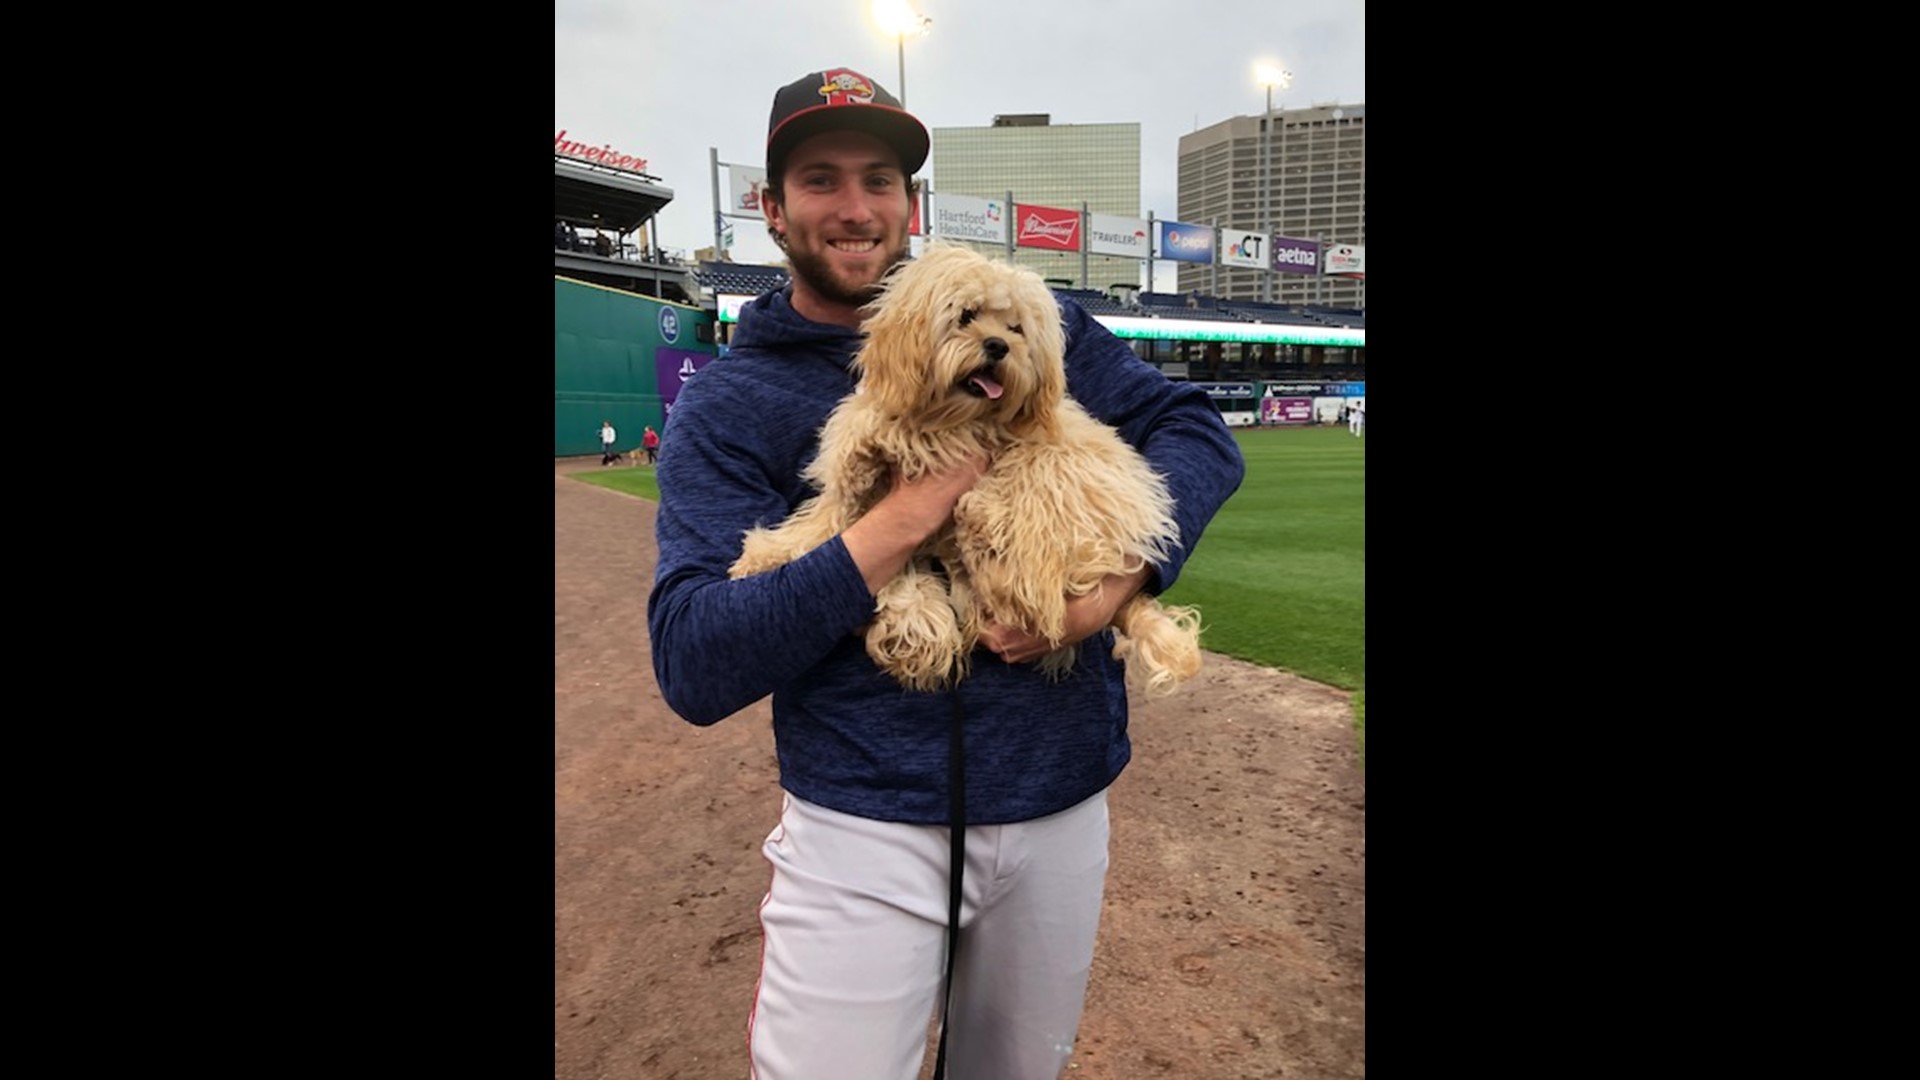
744, 279
1345, 317
1175, 306
1094, 302
1276, 314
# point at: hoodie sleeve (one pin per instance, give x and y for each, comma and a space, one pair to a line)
719, 645
1172, 423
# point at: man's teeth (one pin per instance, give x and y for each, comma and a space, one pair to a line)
856, 247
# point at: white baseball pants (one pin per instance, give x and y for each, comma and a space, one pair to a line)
854, 952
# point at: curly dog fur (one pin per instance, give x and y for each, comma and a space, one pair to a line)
965, 356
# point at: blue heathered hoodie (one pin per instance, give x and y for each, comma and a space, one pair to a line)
848, 736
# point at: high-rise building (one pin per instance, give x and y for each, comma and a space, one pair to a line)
1315, 188
1048, 164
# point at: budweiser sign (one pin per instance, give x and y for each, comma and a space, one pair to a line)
1047, 227
599, 155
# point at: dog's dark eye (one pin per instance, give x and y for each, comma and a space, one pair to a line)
1015, 327
967, 316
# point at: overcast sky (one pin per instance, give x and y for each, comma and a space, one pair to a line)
666, 81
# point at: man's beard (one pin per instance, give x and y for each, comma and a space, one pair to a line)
819, 274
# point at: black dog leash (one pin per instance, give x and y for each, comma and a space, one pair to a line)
956, 870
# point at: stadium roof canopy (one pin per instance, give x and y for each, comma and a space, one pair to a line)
623, 200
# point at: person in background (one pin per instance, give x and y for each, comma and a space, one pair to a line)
650, 442
602, 246
1357, 418
607, 435
855, 919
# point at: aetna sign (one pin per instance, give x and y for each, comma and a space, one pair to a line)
599, 155
1296, 256
1047, 227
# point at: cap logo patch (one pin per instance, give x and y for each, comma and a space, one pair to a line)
846, 87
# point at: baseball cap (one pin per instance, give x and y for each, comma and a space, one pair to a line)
842, 99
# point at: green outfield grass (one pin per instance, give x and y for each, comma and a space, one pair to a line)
1280, 577
634, 481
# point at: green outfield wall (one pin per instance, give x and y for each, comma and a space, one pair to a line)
619, 357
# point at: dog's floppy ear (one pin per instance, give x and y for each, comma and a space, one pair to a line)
1039, 315
899, 342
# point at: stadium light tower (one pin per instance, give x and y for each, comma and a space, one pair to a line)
897, 17
1269, 76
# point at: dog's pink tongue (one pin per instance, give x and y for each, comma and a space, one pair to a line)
991, 388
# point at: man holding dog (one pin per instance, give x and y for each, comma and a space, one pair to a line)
856, 918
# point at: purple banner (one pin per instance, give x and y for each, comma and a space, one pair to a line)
1286, 410
672, 368
1296, 256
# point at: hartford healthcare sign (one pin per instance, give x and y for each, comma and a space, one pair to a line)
963, 217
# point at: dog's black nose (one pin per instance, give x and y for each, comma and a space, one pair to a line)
996, 348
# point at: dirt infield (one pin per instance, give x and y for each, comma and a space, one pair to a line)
1233, 944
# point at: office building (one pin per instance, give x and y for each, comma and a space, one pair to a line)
1316, 189
1048, 164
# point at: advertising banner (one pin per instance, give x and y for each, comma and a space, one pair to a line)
1295, 256
599, 155
746, 184
1243, 249
1346, 260
1047, 227
1286, 410
1109, 235
1186, 243
672, 368
1227, 389
963, 217
1295, 389
916, 225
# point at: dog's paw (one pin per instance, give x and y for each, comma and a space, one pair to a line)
1162, 644
919, 656
915, 635
761, 550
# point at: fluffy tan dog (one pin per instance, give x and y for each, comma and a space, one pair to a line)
965, 356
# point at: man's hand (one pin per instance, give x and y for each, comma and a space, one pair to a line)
886, 535
1086, 616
